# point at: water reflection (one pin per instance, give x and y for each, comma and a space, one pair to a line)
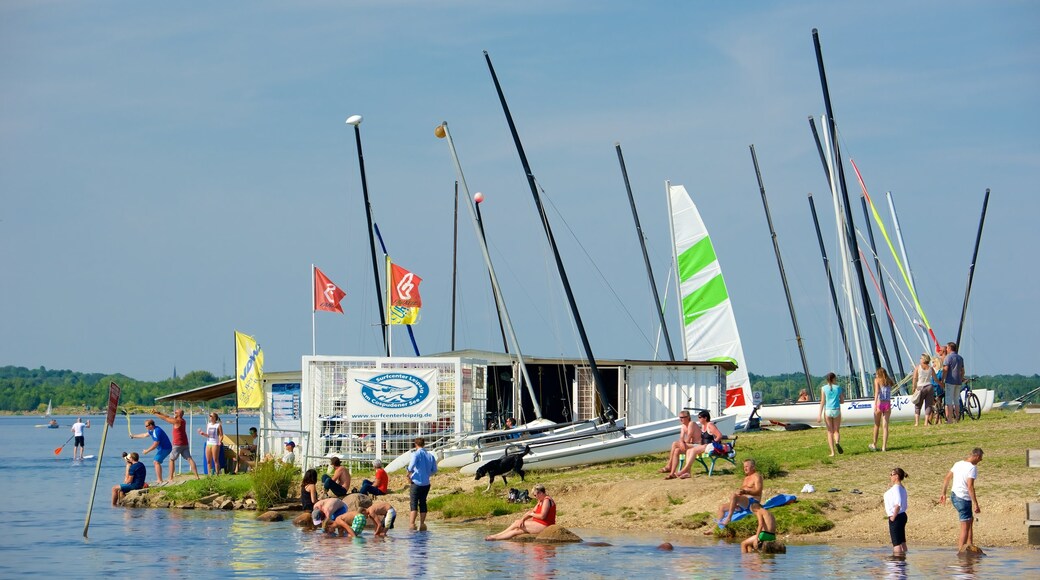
895, 568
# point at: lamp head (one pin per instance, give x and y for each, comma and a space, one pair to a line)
355, 120
439, 130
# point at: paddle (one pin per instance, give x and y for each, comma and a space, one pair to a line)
58, 450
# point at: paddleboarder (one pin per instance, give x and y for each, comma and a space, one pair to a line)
77, 433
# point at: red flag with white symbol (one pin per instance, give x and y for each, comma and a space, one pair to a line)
404, 288
326, 294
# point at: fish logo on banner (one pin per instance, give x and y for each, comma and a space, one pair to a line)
394, 390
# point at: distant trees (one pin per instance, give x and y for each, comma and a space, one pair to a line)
23, 389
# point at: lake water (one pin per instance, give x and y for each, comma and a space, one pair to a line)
43, 501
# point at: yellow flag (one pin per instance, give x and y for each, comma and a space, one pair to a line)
402, 315
249, 368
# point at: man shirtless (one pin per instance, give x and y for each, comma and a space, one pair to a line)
687, 432
750, 491
383, 514
709, 434
766, 531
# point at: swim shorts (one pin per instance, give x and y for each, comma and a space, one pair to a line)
963, 507
766, 537
161, 454
388, 520
358, 525
180, 451
80, 441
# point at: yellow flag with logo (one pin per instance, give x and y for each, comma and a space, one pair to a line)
249, 372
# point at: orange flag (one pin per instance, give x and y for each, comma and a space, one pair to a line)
404, 288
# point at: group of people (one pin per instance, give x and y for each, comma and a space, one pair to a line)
937, 382
332, 515
927, 383
694, 440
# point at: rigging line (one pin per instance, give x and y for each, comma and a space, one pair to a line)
595, 266
903, 299
877, 288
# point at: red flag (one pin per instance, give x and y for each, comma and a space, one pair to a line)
326, 294
404, 288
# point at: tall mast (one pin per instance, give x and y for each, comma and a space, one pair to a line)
783, 274
646, 256
971, 269
355, 120
830, 283
608, 411
850, 226
454, 263
884, 294
443, 132
478, 198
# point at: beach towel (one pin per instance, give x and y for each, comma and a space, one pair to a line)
773, 502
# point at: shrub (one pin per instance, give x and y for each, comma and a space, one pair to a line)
234, 486
272, 481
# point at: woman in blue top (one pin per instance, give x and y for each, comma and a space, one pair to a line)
831, 399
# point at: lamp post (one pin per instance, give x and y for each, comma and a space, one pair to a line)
355, 120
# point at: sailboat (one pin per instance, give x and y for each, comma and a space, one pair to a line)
709, 325
53, 423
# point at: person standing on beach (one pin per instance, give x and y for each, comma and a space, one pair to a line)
77, 432
679, 448
963, 475
420, 467
160, 444
882, 407
214, 433
895, 508
953, 376
181, 445
831, 399
922, 380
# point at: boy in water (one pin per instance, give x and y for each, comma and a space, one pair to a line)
766, 530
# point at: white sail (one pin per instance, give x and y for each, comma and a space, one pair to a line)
48, 409
709, 327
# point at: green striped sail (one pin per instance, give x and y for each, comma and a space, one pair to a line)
709, 327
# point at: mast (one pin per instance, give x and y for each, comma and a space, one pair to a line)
646, 256
906, 260
454, 263
478, 198
971, 269
608, 413
355, 120
850, 225
443, 132
884, 294
830, 283
843, 246
783, 274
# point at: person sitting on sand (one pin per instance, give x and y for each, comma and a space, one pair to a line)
339, 483
381, 484
766, 531
710, 435
686, 438
384, 515
750, 492
326, 511
533, 522
133, 479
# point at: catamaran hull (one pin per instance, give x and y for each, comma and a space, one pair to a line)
853, 412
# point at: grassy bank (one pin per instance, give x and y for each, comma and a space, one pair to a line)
632, 495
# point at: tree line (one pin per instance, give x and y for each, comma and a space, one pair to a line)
29, 390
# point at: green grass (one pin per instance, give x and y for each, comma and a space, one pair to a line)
234, 486
473, 505
801, 517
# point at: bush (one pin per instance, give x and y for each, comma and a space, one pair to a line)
234, 486
272, 481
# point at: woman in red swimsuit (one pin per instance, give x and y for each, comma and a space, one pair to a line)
542, 516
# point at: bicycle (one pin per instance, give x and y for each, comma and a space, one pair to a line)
967, 403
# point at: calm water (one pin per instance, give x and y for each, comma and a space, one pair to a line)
44, 498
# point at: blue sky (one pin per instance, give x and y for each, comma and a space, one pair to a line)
168, 173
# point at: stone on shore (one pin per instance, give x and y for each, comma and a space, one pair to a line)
271, 516
357, 501
304, 521
555, 534
972, 550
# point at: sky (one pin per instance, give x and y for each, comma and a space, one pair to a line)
169, 172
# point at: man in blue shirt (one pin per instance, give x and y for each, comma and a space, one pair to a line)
161, 443
134, 479
952, 377
421, 466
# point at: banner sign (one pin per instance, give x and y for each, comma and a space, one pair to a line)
398, 395
285, 406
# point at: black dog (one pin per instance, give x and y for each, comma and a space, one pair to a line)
507, 463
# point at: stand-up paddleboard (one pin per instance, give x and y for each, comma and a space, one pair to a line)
85, 458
